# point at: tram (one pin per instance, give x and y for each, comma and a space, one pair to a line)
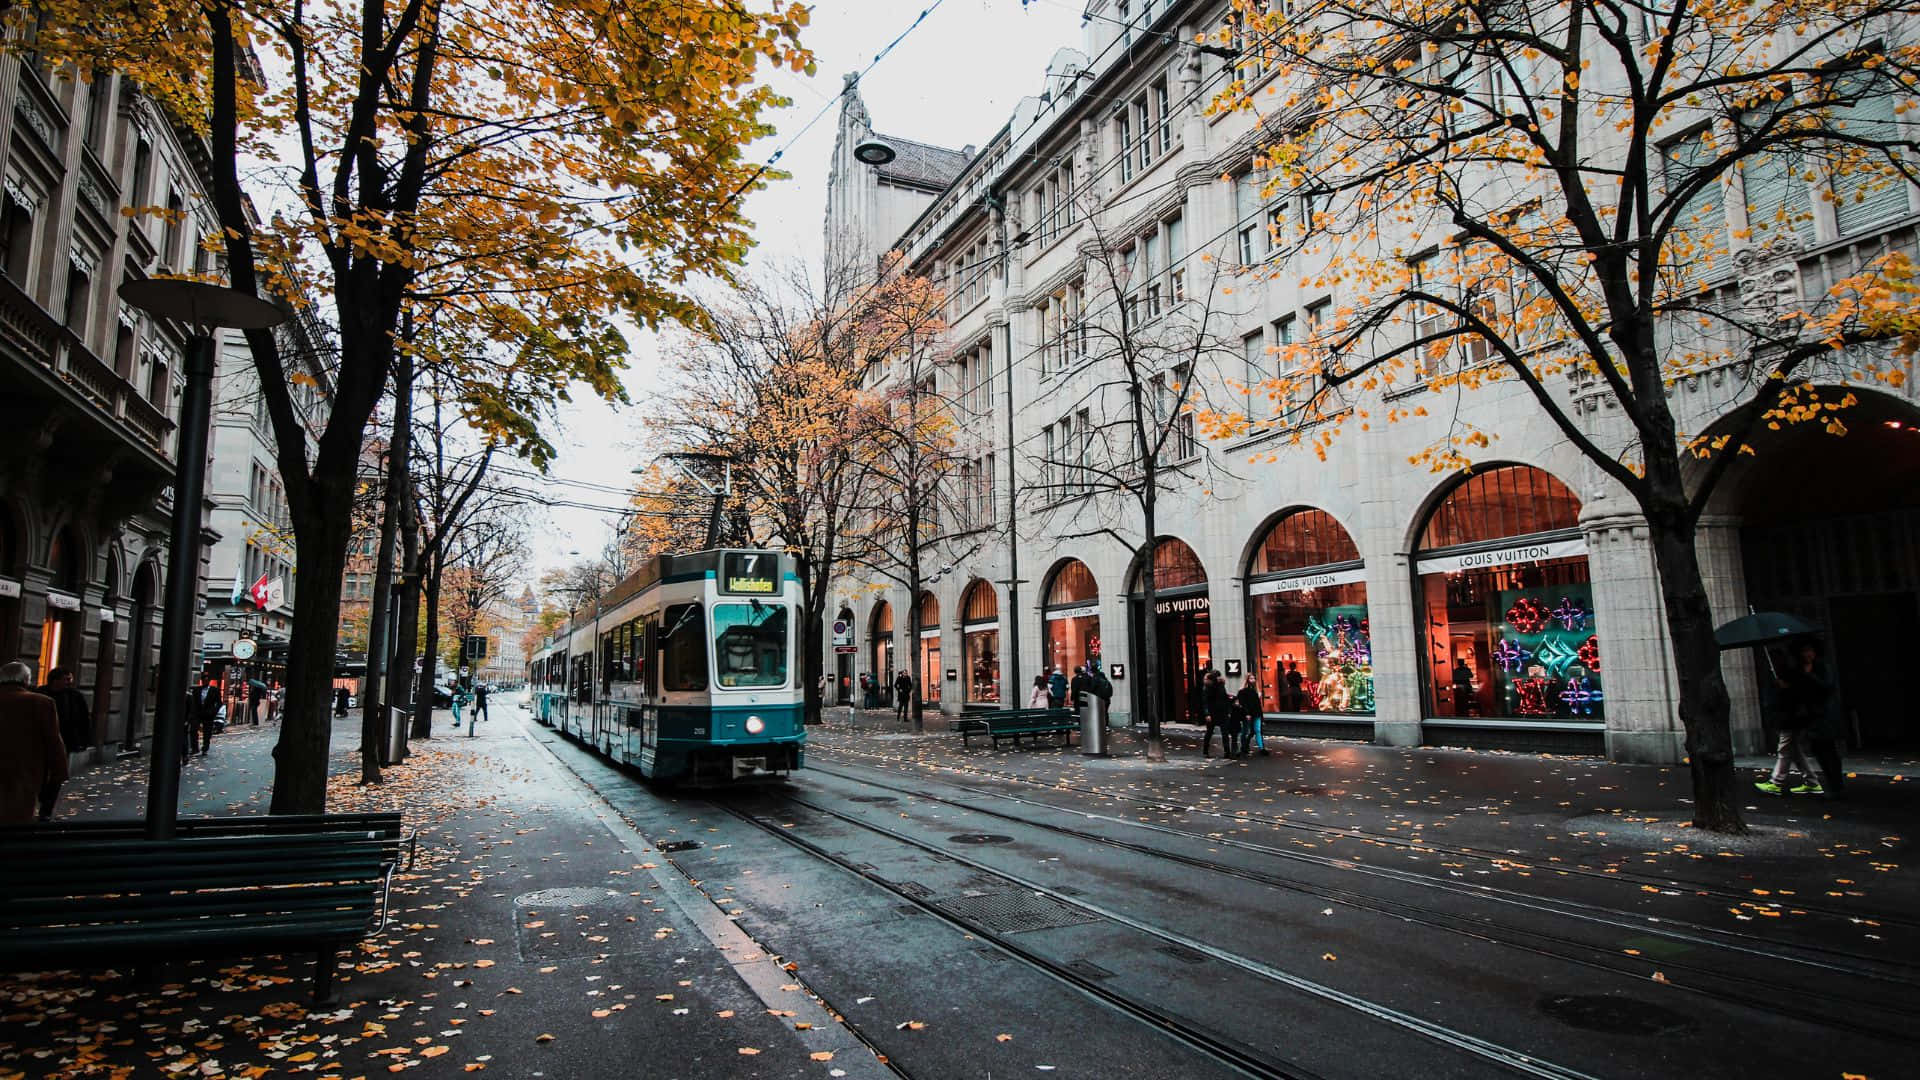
686, 671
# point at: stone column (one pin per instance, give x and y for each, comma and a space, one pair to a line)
1642, 696
1723, 565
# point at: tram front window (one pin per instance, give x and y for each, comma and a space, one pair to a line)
750, 644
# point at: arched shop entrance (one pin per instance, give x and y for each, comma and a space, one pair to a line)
929, 645
1508, 623
1071, 611
1828, 530
980, 643
880, 660
60, 630
1183, 628
1307, 617
140, 661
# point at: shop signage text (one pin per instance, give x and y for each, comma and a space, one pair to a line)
1506, 556
931, 631
1303, 582
1183, 604
9, 589
62, 601
1081, 612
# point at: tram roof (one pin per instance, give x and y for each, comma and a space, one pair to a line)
691, 566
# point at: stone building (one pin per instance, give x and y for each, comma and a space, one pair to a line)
89, 387
1370, 598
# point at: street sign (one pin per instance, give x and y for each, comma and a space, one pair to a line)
465, 671
473, 648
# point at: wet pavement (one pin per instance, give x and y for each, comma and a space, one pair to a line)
911, 906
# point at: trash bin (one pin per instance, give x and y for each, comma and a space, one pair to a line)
1093, 727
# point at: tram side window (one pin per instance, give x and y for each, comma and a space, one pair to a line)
609, 659
750, 644
648, 640
683, 648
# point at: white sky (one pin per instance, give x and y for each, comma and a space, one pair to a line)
953, 81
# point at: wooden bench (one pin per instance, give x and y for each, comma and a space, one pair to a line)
383, 826
1016, 723
88, 894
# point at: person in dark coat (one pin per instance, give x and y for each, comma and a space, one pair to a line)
480, 701
1057, 687
1827, 732
340, 700
1080, 687
902, 695
1250, 716
1796, 701
1219, 708
70, 705
35, 763
203, 714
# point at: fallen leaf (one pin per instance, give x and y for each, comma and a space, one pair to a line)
1003, 1037
821, 1055
602, 1014
1328, 956
725, 1014
1660, 977
543, 1037
433, 1051
748, 1051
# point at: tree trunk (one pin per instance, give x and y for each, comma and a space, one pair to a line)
400, 675
1705, 709
429, 653
1150, 624
813, 611
306, 723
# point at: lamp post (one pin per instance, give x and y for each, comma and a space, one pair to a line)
202, 308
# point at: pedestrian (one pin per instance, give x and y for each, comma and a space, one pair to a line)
1296, 687
1251, 715
480, 701
453, 696
275, 697
1056, 688
340, 700
1039, 698
35, 764
902, 694
1796, 701
1464, 703
203, 715
466, 697
1218, 705
70, 705
1081, 688
1828, 732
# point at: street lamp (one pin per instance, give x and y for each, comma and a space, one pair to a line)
203, 308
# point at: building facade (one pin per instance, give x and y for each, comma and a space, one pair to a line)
89, 387
1515, 606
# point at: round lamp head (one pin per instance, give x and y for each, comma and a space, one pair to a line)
874, 151
199, 304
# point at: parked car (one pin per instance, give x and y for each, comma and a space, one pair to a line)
442, 697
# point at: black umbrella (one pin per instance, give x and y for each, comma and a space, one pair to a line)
1762, 628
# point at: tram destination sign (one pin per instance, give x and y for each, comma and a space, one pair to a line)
749, 573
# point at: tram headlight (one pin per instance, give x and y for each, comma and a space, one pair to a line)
755, 725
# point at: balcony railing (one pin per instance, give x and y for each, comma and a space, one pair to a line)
42, 340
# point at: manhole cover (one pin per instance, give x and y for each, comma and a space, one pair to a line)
1615, 1015
574, 897
1013, 912
872, 798
678, 845
981, 838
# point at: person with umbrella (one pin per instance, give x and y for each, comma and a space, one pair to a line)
1799, 697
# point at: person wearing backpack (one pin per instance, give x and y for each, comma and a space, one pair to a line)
1250, 716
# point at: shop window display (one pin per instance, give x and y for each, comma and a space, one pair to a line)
929, 646
1072, 616
1307, 613
980, 640
1510, 626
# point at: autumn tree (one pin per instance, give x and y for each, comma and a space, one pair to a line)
546, 169
909, 453
1547, 196
772, 377
1150, 336
487, 562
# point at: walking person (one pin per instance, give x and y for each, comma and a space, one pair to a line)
341, 699
902, 695
1081, 688
1828, 731
1250, 715
453, 698
1039, 698
70, 706
480, 701
276, 695
203, 715
35, 764
1796, 700
1219, 707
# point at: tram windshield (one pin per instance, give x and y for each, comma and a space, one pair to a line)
750, 644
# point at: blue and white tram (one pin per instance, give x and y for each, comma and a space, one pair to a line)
687, 671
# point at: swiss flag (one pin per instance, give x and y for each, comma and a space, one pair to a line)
259, 592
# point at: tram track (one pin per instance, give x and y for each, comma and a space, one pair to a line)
1232, 1053
1752, 991
1424, 847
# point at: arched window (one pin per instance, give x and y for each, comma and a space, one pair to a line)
880, 656
1510, 628
1183, 614
66, 577
1307, 617
1072, 615
980, 641
929, 645
1175, 566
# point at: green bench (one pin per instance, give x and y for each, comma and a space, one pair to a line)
98, 894
1017, 723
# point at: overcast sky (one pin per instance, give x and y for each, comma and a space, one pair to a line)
953, 81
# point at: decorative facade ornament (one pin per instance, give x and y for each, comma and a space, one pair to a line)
91, 194
28, 111
28, 199
82, 259
1769, 278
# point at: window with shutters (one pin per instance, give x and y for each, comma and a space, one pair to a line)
1776, 187
1870, 192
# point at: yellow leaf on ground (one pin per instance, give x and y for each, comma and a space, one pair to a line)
1003, 1037
821, 1055
474, 1066
433, 1051
663, 997
602, 1014
543, 1037
748, 1051
1328, 956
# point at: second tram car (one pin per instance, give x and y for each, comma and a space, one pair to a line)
687, 670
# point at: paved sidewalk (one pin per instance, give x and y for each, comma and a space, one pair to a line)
534, 933
1538, 811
